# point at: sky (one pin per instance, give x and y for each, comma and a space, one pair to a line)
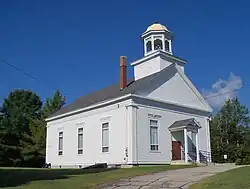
74, 46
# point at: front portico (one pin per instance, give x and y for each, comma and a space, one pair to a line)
185, 142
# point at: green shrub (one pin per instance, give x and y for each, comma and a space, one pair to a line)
238, 162
194, 163
243, 161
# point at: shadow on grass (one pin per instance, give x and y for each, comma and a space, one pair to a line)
10, 177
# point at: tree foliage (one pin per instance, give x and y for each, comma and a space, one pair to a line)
23, 128
53, 104
230, 133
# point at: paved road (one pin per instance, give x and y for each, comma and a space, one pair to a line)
173, 179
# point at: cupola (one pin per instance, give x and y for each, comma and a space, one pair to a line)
157, 37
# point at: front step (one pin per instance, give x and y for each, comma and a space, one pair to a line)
179, 162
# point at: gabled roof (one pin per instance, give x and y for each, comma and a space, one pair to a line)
194, 89
133, 87
185, 123
109, 93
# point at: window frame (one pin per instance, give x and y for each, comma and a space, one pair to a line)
79, 133
60, 136
105, 129
154, 147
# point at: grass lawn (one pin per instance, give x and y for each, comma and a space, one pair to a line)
71, 178
234, 179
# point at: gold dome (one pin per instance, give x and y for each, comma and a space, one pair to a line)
156, 27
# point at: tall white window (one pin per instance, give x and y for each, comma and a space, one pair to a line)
154, 143
105, 137
80, 141
60, 144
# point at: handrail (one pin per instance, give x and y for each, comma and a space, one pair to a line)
205, 156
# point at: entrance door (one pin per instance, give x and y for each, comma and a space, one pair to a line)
176, 150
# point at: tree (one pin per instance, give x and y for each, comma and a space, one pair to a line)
2, 147
38, 129
229, 128
23, 127
53, 104
17, 111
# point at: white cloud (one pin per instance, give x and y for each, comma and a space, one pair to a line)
223, 90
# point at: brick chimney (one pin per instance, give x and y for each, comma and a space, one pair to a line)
123, 72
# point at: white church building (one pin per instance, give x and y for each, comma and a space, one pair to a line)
159, 117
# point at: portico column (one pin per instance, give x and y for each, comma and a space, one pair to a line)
186, 145
197, 148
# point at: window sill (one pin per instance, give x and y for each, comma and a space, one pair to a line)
105, 153
152, 151
79, 154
